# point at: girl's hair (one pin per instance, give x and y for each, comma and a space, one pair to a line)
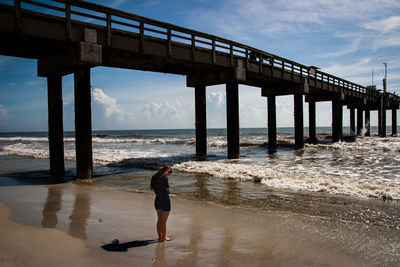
157, 178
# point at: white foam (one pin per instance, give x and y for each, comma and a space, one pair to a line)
299, 177
371, 144
102, 156
368, 167
32, 139
144, 140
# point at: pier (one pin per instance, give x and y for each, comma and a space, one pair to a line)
71, 37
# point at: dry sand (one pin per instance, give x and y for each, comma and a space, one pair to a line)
66, 225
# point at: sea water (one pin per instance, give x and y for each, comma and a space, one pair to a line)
354, 180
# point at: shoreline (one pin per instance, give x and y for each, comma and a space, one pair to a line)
89, 216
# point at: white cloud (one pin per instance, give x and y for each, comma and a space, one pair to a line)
347, 71
389, 41
216, 99
166, 115
110, 107
353, 47
150, 3
384, 25
244, 18
117, 3
3, 112
34, 83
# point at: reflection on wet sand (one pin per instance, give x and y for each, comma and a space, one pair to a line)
52, 206
232, 194
201, 186
79, 216
159, 255
196, 230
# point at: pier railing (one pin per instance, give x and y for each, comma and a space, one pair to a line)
72, 11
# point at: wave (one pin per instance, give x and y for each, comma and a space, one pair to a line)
32, 139
297, 178
101, 156
212, 142
366, 144
367, 167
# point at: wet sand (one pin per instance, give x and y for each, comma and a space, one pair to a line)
66, 225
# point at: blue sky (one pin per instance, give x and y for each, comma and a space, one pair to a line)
346, 38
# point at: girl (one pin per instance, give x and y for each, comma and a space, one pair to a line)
160, 185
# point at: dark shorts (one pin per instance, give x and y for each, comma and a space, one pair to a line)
163, 204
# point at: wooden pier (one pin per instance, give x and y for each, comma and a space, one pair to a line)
63, 41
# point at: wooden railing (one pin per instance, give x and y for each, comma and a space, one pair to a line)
113, 19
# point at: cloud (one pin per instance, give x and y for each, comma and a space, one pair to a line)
117, 3
35, 83
3, 112
384, 25
164, 111
347, 71
216, 99
245, 18
109, 105
389, 41
150, 3
353, 47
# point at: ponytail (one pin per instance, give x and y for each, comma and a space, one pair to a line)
157, 177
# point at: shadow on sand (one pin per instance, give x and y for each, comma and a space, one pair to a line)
115, 246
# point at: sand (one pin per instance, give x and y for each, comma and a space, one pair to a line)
67, 225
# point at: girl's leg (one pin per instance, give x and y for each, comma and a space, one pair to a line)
159, 225
164, 218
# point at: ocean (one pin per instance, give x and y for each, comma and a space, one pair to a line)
356, 181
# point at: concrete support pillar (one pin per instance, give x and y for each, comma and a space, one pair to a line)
201, 121
360, 122
382, 119
232, 114
272, 122
298, 121
379, 122
337, 120
56, 129
394, 122
83, 123
367, 122
352, 121
312, 127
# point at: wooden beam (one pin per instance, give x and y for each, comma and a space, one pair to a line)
56, 132
367, 122
394, 122
232, 113
352, 121
360, 125
283, 88
337, 120
312, 122
271, 122
298, 121
64, 62
83, 123
201, 121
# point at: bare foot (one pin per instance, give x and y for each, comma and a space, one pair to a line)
167, 239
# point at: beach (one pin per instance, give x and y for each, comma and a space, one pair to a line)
324, 205
66, 225
44, 228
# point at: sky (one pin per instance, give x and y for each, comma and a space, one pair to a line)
347, 38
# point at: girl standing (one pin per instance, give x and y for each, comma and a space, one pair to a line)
160, 185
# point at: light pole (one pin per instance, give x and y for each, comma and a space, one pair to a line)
383, 106
384, 79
